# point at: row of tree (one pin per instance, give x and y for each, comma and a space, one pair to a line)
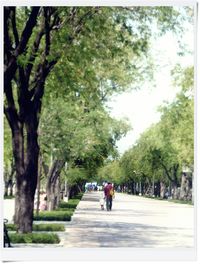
60, 65
161, 162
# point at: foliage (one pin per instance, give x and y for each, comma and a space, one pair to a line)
72, 203
34, 238
78, 196
111, 172
40, 227
54, 216
165, 148
8, 197
7, 145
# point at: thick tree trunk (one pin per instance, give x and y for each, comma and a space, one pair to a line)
24, 205
185, 187
26, 161
162, 189
53, 183
5, 188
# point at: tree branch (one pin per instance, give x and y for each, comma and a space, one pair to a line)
30, 24
10, 69
35, 48
7, 42
13, 20
47, 30
166, 170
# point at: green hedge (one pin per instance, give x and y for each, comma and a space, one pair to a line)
78, 196
8, 197
34, 238
72, 203
65, 209
40, 227
49, 227
54, 216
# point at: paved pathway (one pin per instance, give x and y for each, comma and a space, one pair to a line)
133, 222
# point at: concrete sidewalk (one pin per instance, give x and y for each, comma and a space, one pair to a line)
134, 222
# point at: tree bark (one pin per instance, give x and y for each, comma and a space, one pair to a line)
52, 184
162, 189
185, 187
26, 176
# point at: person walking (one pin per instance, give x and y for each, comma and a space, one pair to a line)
109, 193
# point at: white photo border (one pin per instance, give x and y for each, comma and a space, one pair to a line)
108, 254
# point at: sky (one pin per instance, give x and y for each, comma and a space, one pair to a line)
140, 106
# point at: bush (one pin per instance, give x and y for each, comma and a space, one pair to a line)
49, 227
78, 196
65, 209
54, 216
11, 227
72, 203
8, 197
34, 238
40, 227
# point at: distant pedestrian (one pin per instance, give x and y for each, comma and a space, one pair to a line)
43, 204
102, 200
109, 194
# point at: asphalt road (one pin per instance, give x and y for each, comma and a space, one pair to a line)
134, 222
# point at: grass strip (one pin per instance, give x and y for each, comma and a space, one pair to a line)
40, 227
35, 238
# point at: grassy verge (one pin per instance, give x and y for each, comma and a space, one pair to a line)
180, 201
170, 200
41, 227
34, 238
154, 198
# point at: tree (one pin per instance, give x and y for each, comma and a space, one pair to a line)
163, 150
82, 137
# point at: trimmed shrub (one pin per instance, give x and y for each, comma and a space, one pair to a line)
54, 216
65, 209
49, 227
72, 203
41, 227
8, 197
34, 238
78, 196
11, 227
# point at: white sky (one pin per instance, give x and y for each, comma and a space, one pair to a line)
141, 106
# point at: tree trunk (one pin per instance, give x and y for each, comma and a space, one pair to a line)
52, 184
162, 189
5, 188
185, 187
38, 184
26, 162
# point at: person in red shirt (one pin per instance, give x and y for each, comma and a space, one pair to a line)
109, 192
